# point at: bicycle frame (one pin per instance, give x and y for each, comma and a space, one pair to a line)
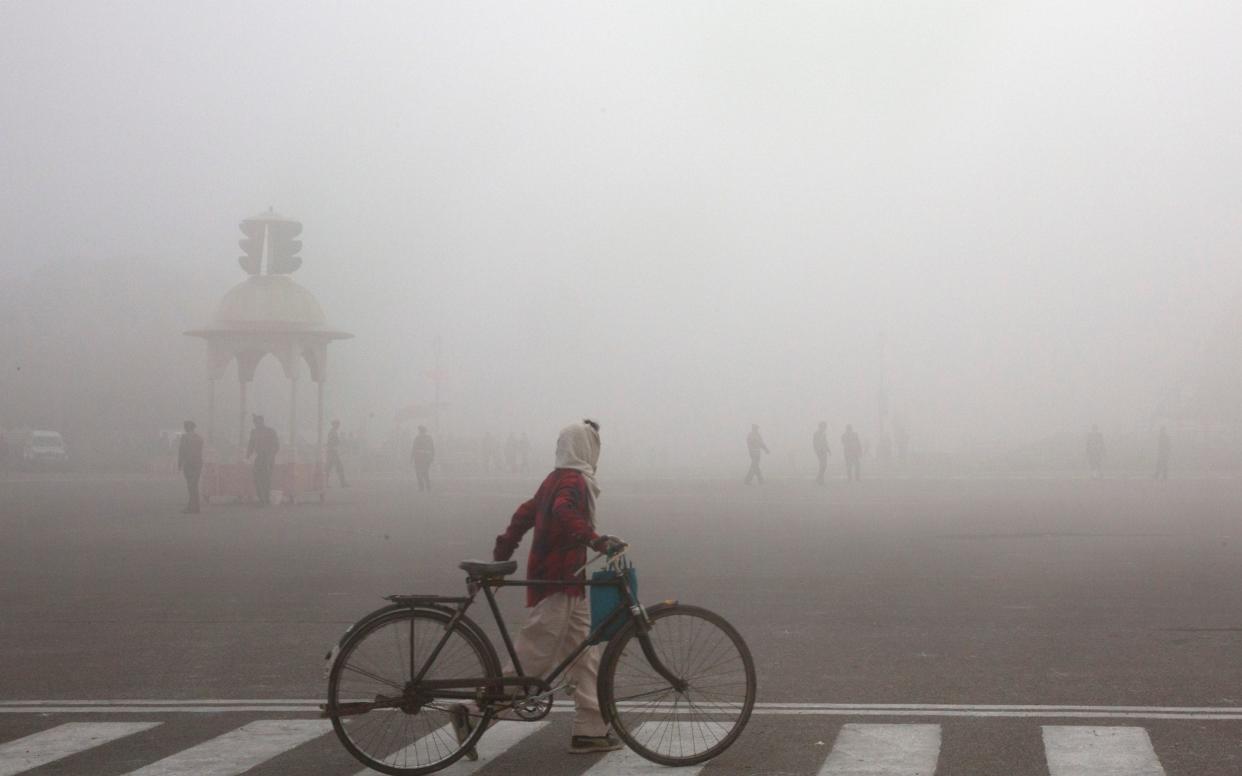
628, 608
444, 688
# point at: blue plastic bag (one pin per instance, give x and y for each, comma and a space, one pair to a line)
605, 600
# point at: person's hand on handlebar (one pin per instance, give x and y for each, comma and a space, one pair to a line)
609, 545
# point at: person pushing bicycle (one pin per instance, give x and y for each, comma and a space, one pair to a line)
562, 514
675, 682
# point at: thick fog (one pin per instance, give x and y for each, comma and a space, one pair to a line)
1014, 220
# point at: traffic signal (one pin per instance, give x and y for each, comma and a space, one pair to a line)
252, 246
283, 247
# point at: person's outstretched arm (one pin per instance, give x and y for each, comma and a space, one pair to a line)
521, 522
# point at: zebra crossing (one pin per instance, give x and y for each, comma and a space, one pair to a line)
1118, 751
61, 741
238, 750
856, 749
893, 750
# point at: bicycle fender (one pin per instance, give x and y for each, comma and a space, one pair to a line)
335, 649
632, 623
465, 621
667, 603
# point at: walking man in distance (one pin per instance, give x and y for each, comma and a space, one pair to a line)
190, 464
851, 448
422, 455
820, 444
756, 447
334, 456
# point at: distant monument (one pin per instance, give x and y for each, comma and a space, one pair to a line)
268, 314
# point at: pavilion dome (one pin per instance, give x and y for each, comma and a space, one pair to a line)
268, 302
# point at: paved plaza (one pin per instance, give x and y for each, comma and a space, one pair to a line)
989, 626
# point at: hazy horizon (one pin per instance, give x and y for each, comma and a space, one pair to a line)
678, 218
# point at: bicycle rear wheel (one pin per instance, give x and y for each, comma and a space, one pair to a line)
693, 723
377, 711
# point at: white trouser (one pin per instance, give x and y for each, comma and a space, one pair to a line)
555, 627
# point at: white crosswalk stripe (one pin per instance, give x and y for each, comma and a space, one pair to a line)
495, 742
860, 749
61, 741
1099, 751
238, 750
626, 763
884, 750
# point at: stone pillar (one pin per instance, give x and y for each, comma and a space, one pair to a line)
241, 423
211, 412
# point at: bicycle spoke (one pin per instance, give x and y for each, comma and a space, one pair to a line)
379, 679
628, 698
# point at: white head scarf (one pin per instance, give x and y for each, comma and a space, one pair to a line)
577, 448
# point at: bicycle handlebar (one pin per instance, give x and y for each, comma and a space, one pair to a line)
612, 559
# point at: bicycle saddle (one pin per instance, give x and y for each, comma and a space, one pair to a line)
483, 569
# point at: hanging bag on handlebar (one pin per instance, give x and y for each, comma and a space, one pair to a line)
606, 599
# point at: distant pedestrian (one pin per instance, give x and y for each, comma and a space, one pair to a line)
851, 449
819, 442
264, 444
1095, 452
756, 447
190, 464
423, 454
1164, 447
334, 456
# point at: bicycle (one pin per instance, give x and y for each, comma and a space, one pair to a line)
676, 682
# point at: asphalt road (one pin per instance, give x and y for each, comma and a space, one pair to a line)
961, 594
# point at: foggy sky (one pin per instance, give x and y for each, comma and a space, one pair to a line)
680, 218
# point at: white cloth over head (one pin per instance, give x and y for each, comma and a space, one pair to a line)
577, 447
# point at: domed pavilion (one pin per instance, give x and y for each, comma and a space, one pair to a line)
268, 313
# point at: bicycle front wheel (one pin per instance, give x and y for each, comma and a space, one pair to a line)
695, 721
376, 708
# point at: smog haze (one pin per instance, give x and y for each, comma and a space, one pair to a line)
1010, 220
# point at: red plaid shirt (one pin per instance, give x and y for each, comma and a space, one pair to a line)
560, 515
